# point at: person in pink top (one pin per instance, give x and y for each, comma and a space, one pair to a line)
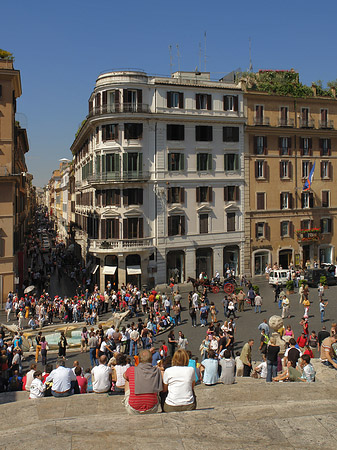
81, 380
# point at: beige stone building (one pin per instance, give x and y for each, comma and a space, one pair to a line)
13, 183
290, 129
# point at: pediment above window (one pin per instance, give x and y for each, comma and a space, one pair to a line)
176, 210
110, 211
204, 209
131, 212
231, 206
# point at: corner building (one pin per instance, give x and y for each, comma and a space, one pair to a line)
159, 178
285, 136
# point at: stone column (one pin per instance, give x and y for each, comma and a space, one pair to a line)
121, 269
190, 263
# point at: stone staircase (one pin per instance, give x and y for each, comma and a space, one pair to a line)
250, 414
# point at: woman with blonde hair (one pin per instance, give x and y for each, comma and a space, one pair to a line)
179, 382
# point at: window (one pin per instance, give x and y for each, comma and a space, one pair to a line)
306, 224
285, 228
203, 101
175, 195
204, 194
325, 147
261, 169
285, 169
110, 163
286, 200
175, 162
175, 132
325, 225
232, 162
133, 196
284, 145
306, 167
258, 115
231, 193
231, 221
109, 132
231, 103
260, 200
112, 197
284, 116
260, 145
203, 133
260, 230
176, 225
307, 200
132, 163
230, 134
326, 169
133, 228
325, 199
132, 100
203, 223
304, 117
204, 162
133, 130
112, 229
175, 100
305, 146
324, 118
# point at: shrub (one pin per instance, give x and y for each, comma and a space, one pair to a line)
256, 289
290, 285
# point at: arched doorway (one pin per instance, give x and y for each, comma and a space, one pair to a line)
133, 270
231, 261
204, 262
175, 266
285, 257
110, 271
260, 259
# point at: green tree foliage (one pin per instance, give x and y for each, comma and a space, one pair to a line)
6, 55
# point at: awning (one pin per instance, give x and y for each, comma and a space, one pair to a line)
133, 270
94, 269
109, 270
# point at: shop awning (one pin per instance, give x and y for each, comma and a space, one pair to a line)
133, 270
94, 269
109, 270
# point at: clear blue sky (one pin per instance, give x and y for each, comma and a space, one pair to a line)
60, 48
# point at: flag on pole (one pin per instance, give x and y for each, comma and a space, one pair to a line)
308, 182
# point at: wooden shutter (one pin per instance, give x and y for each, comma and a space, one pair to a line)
281, 170
104, 100
280, 145
311, 200
260, 200
126, 197
225, 192
255, 145
103, 132
125, 96
169, 195
281, 229
139, 97
322, 169
90, 106
117, 101
181, 161
289, 146
256, 169
209, 161
169, 99
321, 147
197, 191
310, 146
329, 226
290, 169
103, 228
104, 198
267, 231
290, 201
98, 100
237, 193
197, 101
140, 228
140, 196
125, 228
182, 225
209, 133
182, 195
329, 147
140, 163
235, 134
181, 100
291, 230
118, 197
169, 226
236, 103
281, 197
265, 170
181, 132
209, 102
116, 228
209, 194
265, 145
301, 145
325, 198
311, 224
302, 202
330, 170
225, 102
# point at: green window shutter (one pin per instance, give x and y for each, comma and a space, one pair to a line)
198, 161
117, 164
125, 162
140, 163
209, 163
103, 163
181, 162
236, 162
226, 162
98, 164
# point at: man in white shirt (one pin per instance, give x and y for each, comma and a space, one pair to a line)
63, 380
110, 331
101, 376
30, 376
134, 336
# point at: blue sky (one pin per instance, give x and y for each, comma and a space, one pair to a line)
61, 47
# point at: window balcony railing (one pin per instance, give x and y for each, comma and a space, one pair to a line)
307, 123
102, 245
286, 123
262, 121
106, 177
119, 108
328, 124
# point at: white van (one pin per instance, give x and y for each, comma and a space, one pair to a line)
278, 276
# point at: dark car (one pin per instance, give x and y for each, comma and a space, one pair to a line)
313, 276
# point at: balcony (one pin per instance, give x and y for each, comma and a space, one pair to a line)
105, 245
308, 235
112, 177
262, 121
307, 123
118, 108
326, 124
286, 123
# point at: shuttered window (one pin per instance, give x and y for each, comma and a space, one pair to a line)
231, 221
204, 162
133, 196
112, 229
203, 133
231, 103
231, 193
175, 99
203, 223
232, 162
109, 132
203, 101
260, 200
175, 132
133, 130
175, 162
176, 195
204, 194
176, 225
325, 199
230, 134
133, 228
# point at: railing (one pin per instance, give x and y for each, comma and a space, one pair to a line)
117, 176
307, 123
326, 124
262, 121
120, 244
119, 108
286, 122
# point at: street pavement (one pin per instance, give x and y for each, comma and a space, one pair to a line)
246, 322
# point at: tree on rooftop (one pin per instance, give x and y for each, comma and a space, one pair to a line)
6, 55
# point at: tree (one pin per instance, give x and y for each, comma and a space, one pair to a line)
332, 83
6, 55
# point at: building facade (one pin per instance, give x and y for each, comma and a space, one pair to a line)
159, 178
286, 137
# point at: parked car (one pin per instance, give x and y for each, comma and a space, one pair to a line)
313, 276
278, 276
330, 268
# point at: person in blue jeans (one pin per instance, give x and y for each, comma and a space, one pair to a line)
271, 356
322, 305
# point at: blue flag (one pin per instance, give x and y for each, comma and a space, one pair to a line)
308, 182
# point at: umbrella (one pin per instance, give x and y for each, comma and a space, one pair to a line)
29, 289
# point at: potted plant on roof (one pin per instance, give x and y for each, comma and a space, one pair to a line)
290, 287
